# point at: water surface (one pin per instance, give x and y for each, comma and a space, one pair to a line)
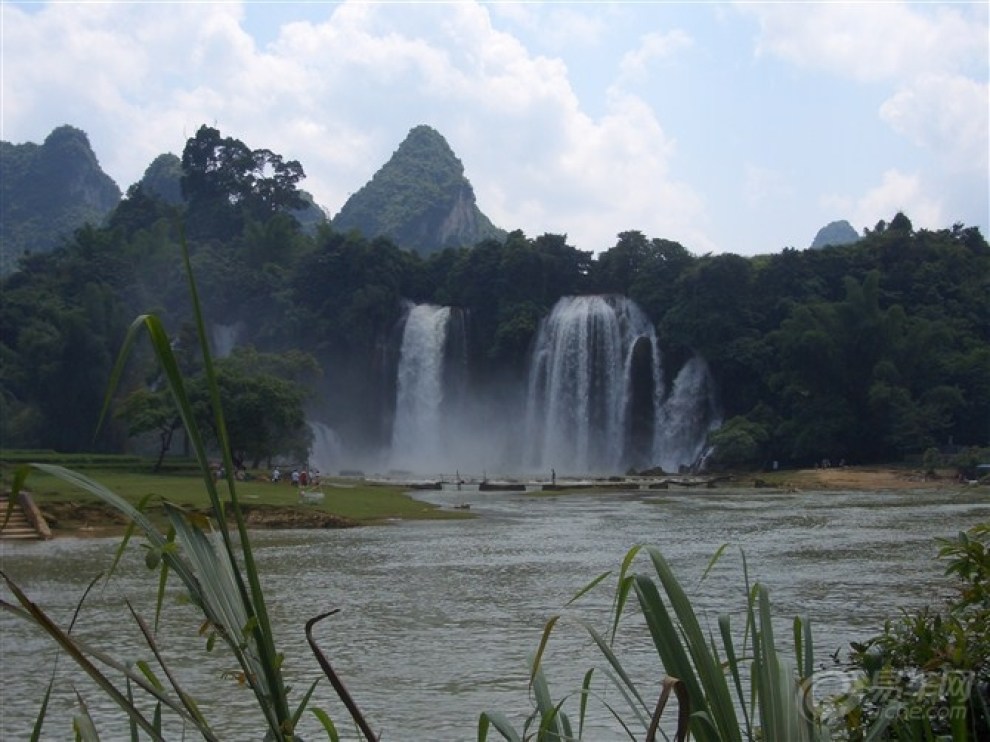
437, 619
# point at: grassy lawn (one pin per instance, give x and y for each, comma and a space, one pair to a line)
355, 501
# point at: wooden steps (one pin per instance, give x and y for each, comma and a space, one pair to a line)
19, 525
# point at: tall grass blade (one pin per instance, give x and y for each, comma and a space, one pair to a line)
636, 701
583, 705
39, 722
187, 701
733, 664
683, 710
712, 562
70, 647
502, 725
544, 639
335, 680
587, 588
327, 724
83, 723
708, 667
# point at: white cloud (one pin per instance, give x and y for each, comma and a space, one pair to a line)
947, 114
896, 192
653, 46
502, 82
873, 41
340, 94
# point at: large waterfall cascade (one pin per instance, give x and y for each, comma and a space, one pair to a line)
594, 401
595, 368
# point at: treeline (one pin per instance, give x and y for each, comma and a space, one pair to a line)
864, 352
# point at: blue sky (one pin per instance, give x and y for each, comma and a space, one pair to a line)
730, 127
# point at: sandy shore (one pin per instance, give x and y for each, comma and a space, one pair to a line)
864, 479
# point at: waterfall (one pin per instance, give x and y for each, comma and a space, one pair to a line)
686, 417
596, 399
224, 338
581, 382
327, 451
418, 430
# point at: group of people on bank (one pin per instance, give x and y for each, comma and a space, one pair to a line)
297, 478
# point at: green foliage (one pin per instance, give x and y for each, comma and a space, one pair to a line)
718, 698
151, 412
929, 670
264, 407
739, 443
877, 350
225, 183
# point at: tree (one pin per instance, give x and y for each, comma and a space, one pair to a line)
738, 443
146, 411
262, 403
225, 182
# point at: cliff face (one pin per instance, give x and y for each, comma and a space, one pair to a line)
49, 191
419, 199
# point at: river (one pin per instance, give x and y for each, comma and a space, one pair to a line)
437, 618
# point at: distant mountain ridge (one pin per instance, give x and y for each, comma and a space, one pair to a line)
48, 191
419, 199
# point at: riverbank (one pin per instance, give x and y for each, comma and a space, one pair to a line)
354, 503
862, 479
335, 503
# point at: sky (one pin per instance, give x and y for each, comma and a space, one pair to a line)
728, 127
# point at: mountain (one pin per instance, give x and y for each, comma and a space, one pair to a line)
162, 179
419, 199
835, 233
48, 191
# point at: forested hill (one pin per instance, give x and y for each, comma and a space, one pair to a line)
419, 199
867, 351
48, 191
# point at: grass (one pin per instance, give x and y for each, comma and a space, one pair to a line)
356, 503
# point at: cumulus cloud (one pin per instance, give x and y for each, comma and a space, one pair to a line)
897, 191
653, 46
873, 41
945, 113
929, 64
340, 94
339, 91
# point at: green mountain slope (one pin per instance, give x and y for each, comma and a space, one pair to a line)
48, 191
420, 199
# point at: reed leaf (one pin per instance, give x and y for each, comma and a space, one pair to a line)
583, 705
707, 666
498, 721
549, 713
327, 723
733, 665
39, 721
187, 701
83, 723
72, 648
544, 638
635, 699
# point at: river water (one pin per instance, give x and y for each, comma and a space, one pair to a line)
437, 619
